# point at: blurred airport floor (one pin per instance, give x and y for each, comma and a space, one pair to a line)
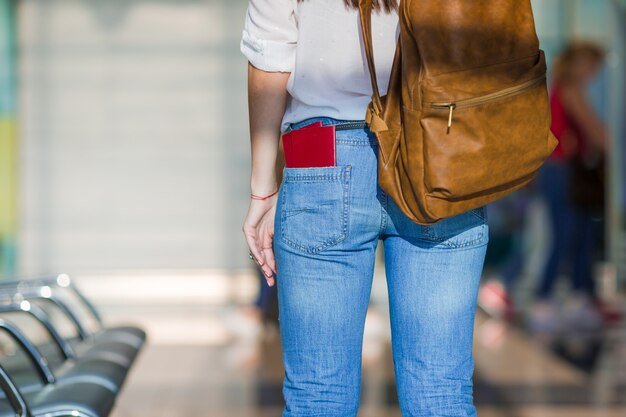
207, 356
242, 380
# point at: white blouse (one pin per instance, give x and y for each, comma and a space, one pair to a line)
319, 43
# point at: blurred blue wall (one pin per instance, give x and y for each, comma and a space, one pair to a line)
8, 140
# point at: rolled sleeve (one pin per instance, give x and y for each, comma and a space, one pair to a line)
270, 35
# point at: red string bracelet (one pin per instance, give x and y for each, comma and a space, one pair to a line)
256, 197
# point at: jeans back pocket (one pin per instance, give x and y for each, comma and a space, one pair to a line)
314, 207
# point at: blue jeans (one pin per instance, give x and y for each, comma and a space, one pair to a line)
327, 226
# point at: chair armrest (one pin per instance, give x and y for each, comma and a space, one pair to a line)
40, 315
34, 293
13, 394
82, 331
79, 294
60, 280
37, 359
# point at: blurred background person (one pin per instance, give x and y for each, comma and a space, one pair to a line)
571, 184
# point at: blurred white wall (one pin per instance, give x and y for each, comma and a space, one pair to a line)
134, 140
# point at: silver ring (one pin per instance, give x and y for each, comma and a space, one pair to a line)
251, 256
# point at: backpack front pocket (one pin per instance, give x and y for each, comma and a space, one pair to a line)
484, 143
450, 107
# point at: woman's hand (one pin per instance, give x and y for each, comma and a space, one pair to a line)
258, 228
267, 100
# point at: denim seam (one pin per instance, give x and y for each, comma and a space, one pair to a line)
461, 247
344, 177
355, 142
346, 200
383, 211
313, 178
428, 235
478, 212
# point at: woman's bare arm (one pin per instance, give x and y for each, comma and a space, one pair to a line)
578, 107
267, 100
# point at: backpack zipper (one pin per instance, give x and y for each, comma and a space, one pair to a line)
475, 101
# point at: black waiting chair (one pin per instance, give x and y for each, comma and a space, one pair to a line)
58, 294
72, 394
61, 356
75, 373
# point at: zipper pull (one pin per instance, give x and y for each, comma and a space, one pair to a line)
452, 106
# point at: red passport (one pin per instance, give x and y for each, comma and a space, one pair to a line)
312, 146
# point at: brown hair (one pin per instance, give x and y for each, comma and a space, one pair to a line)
386, 5
572, 55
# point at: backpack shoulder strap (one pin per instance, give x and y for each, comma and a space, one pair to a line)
365, 12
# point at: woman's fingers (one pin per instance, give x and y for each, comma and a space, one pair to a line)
260, 254
255, 250
265, 244
259, 232
268, 252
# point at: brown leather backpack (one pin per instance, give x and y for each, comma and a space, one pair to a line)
466, 118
